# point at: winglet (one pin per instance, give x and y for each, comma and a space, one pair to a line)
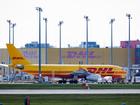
16, 56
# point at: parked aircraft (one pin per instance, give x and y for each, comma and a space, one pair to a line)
87, 71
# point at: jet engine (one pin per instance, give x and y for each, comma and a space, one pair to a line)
93, 77
19, 66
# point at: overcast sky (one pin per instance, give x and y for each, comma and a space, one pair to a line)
72, 12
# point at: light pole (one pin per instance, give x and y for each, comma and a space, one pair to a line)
39, 71
46, 50
129, 72
87, 19
111, 51
9, 22
13, 26
60, 50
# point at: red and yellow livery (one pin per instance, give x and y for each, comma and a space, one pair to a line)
61, 70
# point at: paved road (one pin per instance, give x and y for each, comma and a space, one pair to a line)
69, 91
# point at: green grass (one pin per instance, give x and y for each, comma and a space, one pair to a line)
69, 86
72, 99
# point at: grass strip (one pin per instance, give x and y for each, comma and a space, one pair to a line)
69, 86
72, 99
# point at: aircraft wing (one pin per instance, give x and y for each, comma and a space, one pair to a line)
80, 72
89, 76
4, 65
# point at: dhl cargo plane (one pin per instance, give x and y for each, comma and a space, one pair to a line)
62, 70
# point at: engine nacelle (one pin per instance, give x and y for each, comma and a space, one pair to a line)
93, 77
19, 66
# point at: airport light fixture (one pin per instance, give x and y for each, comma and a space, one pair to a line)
60, 49
39, 71
129, 55
13, 26
87, 19
9, 21
111, 51
46, 51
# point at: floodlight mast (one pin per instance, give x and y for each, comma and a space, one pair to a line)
9, 22
39, 71
111, 51
46, 45
60, 49
13, 26
87, 19
129, 55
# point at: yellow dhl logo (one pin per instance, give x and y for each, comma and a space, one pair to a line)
101, 70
